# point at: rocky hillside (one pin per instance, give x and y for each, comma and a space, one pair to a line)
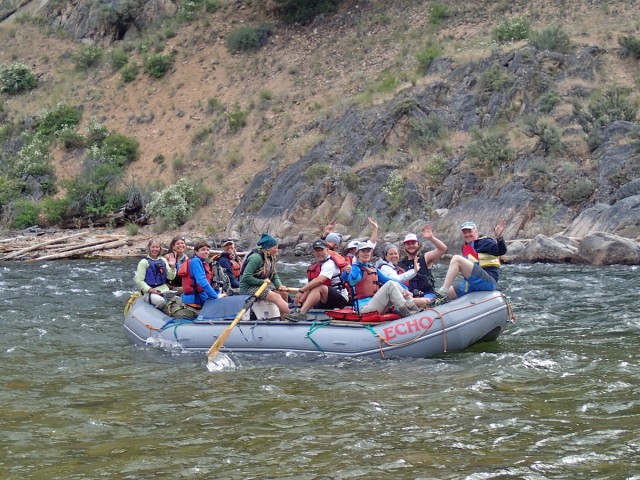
405, 111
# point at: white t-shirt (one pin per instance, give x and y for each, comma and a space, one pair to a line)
329, 269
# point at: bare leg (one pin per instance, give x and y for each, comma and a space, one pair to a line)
315, 296
458, 265
275, 297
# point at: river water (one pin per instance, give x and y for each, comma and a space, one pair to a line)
557, 396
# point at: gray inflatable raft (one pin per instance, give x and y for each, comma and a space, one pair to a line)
452, 327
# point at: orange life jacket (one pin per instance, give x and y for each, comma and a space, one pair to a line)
188, 281
314, 271
368, 284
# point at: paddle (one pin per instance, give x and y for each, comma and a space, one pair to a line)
213, 351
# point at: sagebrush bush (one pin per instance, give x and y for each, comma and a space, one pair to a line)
174, 205
24, 213
426, 130
438, 13
394, 190
129, 72
16, 78
629, 46
316, 172
62, 116
490, 149
118, 58
613, 104
247, 38
577, 191
547, 101
237, 118
426, 55
435, 168
512, 29
496, 79
548, 134
552, 38
303, 11
351, 180
157, 65
87, 56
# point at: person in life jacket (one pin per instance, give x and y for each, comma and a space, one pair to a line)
176, 253
373, 291
479, 263
230, 262
325, 288
389, 266
260, 265
350, 251
422, 285
152, 274
196, 277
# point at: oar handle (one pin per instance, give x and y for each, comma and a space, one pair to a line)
213, 351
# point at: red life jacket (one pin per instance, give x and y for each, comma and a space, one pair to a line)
368, 284
314, 271
338, 259
188, 281
235, 268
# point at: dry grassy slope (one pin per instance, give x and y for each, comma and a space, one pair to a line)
308, 73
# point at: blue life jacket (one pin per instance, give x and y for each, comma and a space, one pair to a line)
156, 274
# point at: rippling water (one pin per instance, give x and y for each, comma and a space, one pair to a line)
557, 396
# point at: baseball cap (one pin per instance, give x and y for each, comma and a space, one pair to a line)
227, 241
319, 244
363, 245
353, 244
467, 225
411, 237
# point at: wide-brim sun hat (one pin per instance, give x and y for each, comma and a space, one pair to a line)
364, 245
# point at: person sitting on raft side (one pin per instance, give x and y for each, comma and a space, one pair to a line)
422, 285
152, 274
324, 289
176, 252
196, 277
369, 296
479, 263
230, 262
259, 265
388, 265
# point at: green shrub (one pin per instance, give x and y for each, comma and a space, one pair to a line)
70, 138
496, 79
95, 132
548, 134
547, 101
316, 172
24, 214
577, 191
427, 130
214, 105
60, 117
132, 229
512, 29
614, 104
33, 159
552, 38
129, 72
120, 148
436, 168
248, 38
10, 189
189, 10
118, 58
629, 46
174, 205
16, 78
157, 65
86, 56
438, 13
53, 210
236, 118
351, 180
490, 149
394, 190
427, 55
303, 11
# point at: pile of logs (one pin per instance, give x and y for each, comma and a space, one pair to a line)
78, 245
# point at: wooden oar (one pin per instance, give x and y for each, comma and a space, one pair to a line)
213, 351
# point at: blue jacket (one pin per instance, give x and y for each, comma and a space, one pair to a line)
196, 270
225, 263
356, 275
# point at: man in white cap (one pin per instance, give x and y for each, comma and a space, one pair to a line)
324, 288
373, 291
479, 263
422, 284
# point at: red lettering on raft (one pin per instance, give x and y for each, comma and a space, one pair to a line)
414, 325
